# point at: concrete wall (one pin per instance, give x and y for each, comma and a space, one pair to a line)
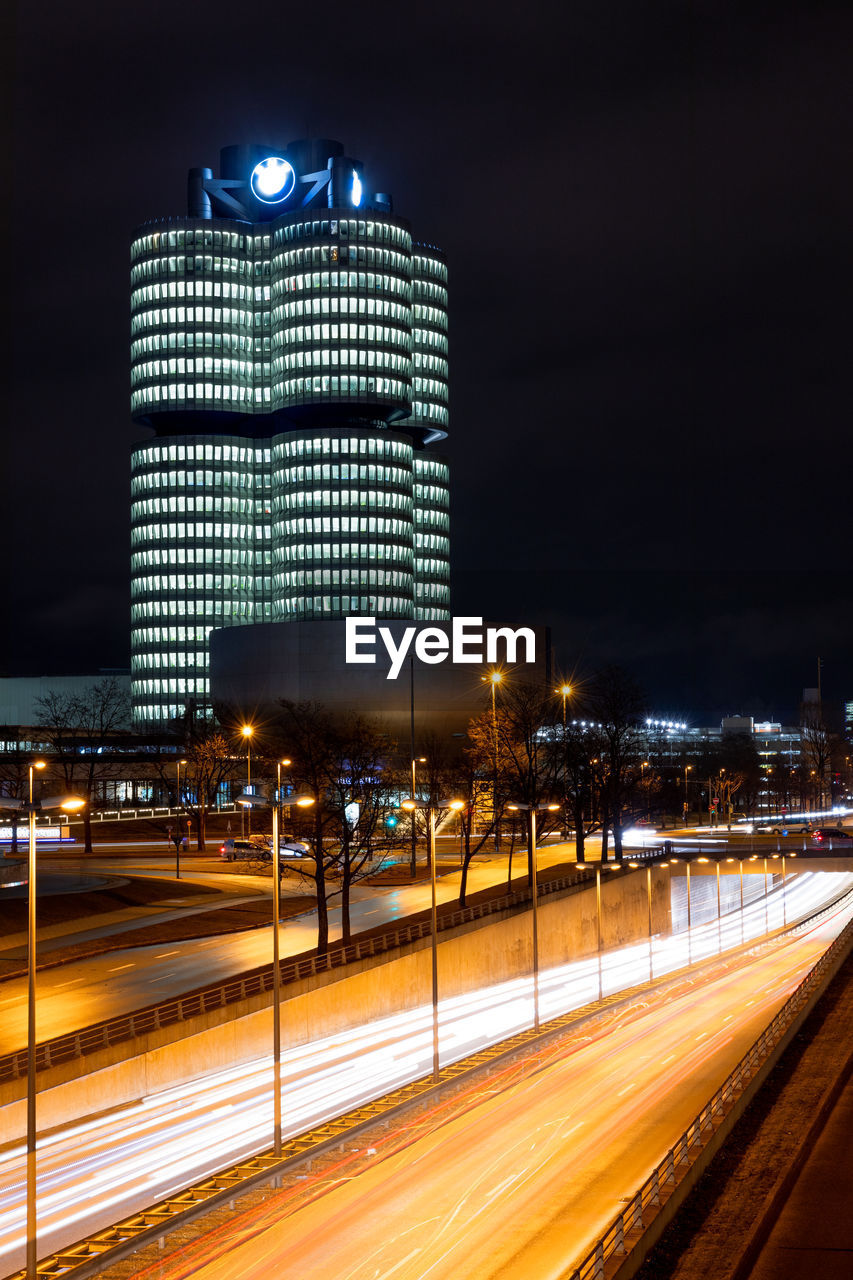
469, 957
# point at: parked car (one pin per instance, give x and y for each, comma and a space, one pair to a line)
243, 850
287, 846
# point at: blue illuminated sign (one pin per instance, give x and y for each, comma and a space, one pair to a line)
272, 180
356, 188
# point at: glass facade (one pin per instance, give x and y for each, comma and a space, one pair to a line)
200, 558
432, 536
429, 410
293, 366
342, 524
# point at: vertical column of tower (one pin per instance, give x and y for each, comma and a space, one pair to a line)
192, 320
194, 522
431, 492
341, 317
429, 420
342, 524
200, 510
430, 411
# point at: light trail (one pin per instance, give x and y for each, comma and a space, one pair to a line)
92, 1173
515, 1185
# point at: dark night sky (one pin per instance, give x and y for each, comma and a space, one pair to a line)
647, 212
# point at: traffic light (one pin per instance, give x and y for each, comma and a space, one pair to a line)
391, 820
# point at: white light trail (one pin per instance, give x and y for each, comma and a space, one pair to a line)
94, 1172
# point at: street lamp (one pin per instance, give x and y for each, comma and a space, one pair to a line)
280, 764
494, 678
687, 769
532, 810
415, 761
70, 804
248, 801
410, 804
247, 731
178, 818
565, 692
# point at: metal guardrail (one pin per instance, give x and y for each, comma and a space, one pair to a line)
646, 1202
101, 1035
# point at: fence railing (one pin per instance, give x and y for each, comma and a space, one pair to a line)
148, 811
646, 1201
101, 1035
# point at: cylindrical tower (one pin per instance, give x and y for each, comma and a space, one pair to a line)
341, 316
199, 304
289, 350
342, 524
200, 555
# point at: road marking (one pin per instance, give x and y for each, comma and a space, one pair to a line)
163, 954
120, 967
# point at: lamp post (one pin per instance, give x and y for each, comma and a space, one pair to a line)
649, 901
565, 692
414, 867
70, 804
410, 805
178, 818
494, 679
531, 810
248, 801
247, 731
280, 764
687, 769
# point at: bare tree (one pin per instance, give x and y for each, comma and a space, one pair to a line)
520, 748
337, 762
816, 749
619, 708
207, 763
358, 789
79, 729
580, 751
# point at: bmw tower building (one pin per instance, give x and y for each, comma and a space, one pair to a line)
289, 353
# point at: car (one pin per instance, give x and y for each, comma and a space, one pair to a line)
243, 850
784, 827
287, 846
833, 836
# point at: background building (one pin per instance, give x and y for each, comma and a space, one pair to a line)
289, 352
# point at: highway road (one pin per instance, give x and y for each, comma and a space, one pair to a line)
516, 1184
95, 1172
